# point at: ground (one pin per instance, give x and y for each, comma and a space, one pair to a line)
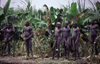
22, 60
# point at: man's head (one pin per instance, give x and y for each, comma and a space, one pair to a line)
58, 24
75, 25
27, 23
93, 22
9, 25
66, 23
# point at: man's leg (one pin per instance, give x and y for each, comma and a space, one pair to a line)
9, 49
96, 49
67, 46
74, 48
30, 46
53, 49
77, 52
73, 45
58, 47
5, 46
65, 50
95, 46
27, 47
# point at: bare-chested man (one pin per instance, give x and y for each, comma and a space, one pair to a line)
75, 40
93, 36
8, 36
57, 40
66, 38
28, 35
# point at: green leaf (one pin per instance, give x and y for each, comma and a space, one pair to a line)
52, 14
73, 9
6, 7
1, 11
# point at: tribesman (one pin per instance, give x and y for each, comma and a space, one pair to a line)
66, 38
57, 40
28, 35
93, 36
9, 31
75, 39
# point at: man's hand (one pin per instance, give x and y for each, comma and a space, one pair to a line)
9, 38
24, 38
5, 39
94, 42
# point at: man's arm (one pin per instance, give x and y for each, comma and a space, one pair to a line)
3, 29
31, 35
13, 33
97, 29
23, 33
78, 34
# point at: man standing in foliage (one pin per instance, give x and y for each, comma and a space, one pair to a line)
58, 39
66, 38
75, 40
28, 35
93, 36
8, 36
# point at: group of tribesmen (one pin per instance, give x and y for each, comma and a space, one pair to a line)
61, 34
9, 34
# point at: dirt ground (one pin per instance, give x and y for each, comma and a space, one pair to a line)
23, 60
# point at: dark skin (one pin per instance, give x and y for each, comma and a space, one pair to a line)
75, 40
1, 35
66, 39
28, 35
57, 40
8, 36
93, 36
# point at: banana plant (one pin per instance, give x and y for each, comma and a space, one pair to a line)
4, 11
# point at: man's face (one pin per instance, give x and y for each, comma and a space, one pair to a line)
58, 24
26, 23
9, 25
93, 22
66, 23
75, 25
